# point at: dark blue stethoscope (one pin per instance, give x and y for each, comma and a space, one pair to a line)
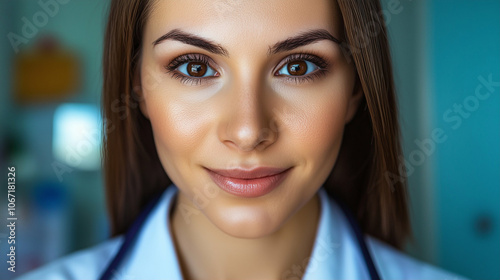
131, 235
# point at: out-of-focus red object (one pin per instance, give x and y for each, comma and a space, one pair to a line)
45, 73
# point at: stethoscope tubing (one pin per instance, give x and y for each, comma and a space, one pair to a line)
130, 236
133, 231
370, 265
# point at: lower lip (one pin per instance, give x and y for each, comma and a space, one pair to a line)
251, 187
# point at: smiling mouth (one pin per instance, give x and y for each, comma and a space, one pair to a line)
248, 183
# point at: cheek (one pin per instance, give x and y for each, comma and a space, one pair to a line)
178, 120
318, 126
326, 124
179, 128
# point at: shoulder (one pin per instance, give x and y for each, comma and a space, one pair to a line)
85, 264
390, 262
394, 264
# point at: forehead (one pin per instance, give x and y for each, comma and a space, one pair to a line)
244, 21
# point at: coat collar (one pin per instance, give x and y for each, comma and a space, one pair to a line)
154, 255
335, 254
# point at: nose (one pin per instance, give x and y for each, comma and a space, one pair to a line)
248, 123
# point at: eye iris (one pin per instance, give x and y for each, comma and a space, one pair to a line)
196, 69
297, 68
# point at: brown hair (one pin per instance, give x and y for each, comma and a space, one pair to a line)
367, 175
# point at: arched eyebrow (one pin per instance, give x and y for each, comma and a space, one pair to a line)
303, 39
191, 39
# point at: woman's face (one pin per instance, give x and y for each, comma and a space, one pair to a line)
221, 94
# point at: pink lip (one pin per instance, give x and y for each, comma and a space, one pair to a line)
248, 183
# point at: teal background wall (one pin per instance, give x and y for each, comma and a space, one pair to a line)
26, 138
464, 47
440, 49
406, 23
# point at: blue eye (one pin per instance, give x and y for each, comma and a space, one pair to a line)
192, 69
196, 69
298, 68
302, 67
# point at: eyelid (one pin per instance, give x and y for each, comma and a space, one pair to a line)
322, 64
316, 59
190, 57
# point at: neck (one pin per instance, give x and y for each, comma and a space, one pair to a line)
217, 255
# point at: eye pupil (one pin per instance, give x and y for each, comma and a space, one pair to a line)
196, 69
297, 68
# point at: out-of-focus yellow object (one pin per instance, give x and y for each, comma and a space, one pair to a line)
47, 73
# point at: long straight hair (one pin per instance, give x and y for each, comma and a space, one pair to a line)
367, 176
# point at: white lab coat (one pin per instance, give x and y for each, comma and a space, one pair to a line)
335, 254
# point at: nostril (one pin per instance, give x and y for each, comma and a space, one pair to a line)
266, 135
247, 130
247, 142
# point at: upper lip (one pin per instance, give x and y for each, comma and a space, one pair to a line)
254, 173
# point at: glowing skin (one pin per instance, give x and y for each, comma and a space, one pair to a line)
245, 116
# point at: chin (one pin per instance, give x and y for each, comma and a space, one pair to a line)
250, 222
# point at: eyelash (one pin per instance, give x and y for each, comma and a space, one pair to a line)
316, 59
178, 61
320, 72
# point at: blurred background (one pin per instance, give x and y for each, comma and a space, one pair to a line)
447, 71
